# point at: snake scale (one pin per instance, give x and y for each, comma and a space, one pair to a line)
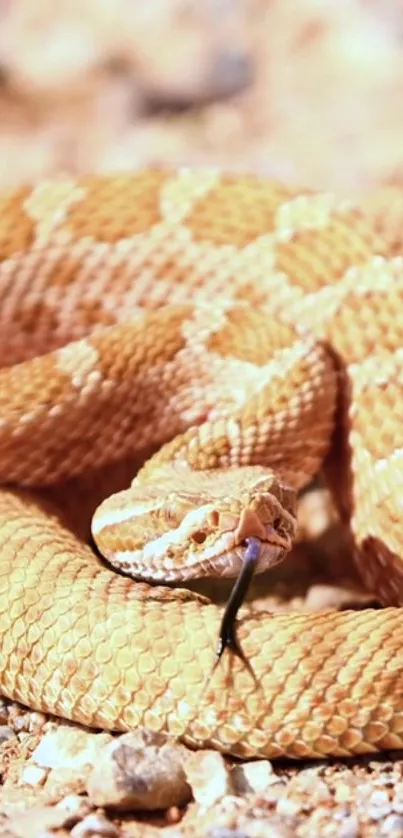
214, 327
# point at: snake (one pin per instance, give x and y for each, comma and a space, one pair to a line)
182, 351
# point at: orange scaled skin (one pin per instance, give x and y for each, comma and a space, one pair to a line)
129, 306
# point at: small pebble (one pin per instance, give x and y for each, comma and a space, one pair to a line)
173, 815
76, 806
349, 829
376, 813
288, 807
379, 798
37, 722
208, 776
94, 825
33, 775
6, 733
4, 711
36, 822
393, 825
253, 777
343, 793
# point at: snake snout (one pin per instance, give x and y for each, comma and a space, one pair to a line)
250, 525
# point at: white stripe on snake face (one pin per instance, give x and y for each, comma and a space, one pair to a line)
108, 517
155, 551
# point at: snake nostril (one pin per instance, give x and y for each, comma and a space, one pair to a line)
199, 536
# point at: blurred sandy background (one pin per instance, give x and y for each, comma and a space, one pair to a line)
310, 91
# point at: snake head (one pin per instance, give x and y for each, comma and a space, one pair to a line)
190, 523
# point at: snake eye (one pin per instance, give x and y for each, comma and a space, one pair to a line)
276, 523
199, 536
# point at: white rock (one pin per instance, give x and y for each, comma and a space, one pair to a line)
70, 747
208, 777
254, 777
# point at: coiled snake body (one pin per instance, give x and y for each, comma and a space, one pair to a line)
232, 326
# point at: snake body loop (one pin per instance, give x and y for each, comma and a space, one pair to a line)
228, 336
